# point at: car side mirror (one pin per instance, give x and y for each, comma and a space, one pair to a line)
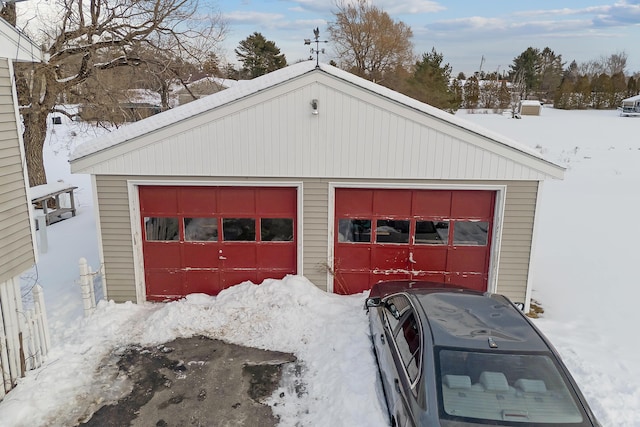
372, 302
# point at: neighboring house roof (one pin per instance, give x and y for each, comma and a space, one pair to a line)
17, 46
179, 115
631, 100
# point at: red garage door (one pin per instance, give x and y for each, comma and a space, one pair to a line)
437, 235
205, 239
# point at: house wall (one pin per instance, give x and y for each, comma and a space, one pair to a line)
115, 223
16, 250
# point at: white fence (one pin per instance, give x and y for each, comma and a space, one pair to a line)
24, 335
92, 287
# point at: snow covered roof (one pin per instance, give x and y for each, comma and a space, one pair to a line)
256, 85
532, 102
631, 99
15, 45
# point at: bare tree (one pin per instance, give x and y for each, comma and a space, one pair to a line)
88, 37
368, 42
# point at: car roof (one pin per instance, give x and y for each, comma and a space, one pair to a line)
468, 319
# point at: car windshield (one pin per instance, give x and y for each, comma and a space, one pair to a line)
509, 388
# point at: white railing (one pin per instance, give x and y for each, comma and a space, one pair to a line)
88, 279
24, 334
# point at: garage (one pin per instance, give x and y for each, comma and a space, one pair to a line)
387, 234
312, 171
201, 239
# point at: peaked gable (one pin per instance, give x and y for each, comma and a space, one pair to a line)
266, 127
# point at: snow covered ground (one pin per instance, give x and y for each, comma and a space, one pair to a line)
585, 261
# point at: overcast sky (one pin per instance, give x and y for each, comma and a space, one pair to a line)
463, 31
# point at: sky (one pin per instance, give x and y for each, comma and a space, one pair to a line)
584, 275
465, 32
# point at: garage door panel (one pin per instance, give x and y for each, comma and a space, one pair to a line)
352, 282
237, 276
472, 204
429, 258
277, 256
473, 281
162, 255
467, 259
239, 255
278, 202
390, 257
353, 256
354, 202
158, 200
433, 204
203, 281
237, 200
197, 201
392, 202
164, 284
200, 255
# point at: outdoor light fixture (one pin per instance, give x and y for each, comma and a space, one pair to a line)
314, 105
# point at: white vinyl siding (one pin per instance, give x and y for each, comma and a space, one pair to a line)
16, 251
520, 204
356, 134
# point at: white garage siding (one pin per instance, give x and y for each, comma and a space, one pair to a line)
115, 223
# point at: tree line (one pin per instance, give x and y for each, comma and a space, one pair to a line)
101, 49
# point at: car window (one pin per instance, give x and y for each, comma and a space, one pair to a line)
513, 388
395, 307
407, 338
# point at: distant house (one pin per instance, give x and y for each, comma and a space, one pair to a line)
530, 107
203, 87
312, 171
17, 251
630, 106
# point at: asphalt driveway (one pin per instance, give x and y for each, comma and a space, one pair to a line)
195, 382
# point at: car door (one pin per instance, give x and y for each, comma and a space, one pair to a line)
401, 359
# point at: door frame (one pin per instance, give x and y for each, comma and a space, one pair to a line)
498, 216
136, 221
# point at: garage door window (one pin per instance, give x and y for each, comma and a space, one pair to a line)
432, 232
239, 229
276, 229
201, 229
470, 233
162, 229
392, 231
354, 230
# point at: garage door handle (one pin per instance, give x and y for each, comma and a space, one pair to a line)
396, 382
222, 257
411, 260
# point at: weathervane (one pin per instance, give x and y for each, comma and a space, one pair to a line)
317, 50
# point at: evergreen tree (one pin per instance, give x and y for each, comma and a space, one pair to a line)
564, 95
582, 91
600, 89
618, 89
430, 82
550, 73
504, 95
259, 56
526, 68
471, 93
632, 87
